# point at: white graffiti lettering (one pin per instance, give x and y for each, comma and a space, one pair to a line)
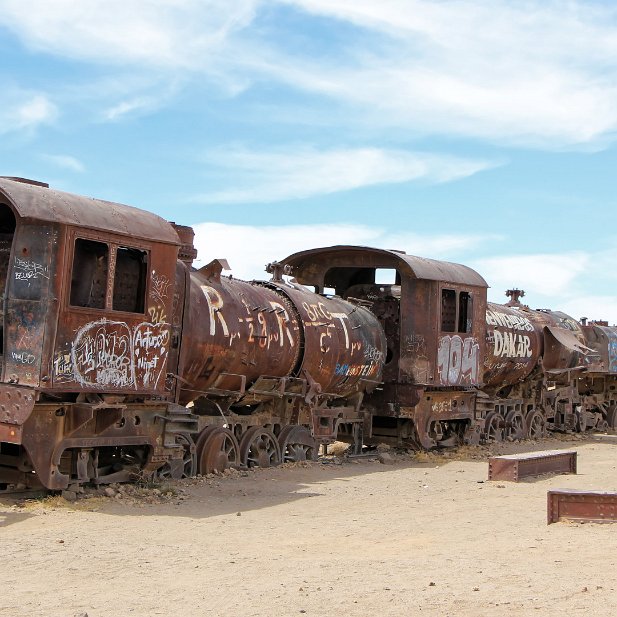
215, 306
29, 270
372, 354
316, 312
342, 317
108, 354
514, 322
23, 357
283, 323
458, 360
159, 287
508, 344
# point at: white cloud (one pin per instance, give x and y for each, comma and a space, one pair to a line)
303, 172
123, 108
65, 162
23, 111
164, 33
543, 274
572, 282
533, 73
528, 73
249, 248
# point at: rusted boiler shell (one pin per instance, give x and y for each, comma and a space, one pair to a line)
344, 343
564, 342
514, 344
236, 328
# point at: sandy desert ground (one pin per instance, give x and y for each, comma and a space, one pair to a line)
427, 535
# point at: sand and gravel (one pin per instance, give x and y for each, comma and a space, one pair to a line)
419, 535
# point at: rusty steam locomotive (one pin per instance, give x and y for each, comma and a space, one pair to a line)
119, 358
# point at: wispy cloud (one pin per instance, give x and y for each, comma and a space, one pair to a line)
131, 106
530, 73
65, 162
301, 172
544, 274
167, 33
23, 111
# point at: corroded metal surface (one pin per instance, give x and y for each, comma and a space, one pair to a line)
235, 333
240, 331
36, 202
581, 506
513, 344
109, 333
514, 467
343, 343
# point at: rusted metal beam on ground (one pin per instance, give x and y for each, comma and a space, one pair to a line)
514, 467
582, 506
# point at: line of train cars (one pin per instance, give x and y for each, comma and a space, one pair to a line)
120, 359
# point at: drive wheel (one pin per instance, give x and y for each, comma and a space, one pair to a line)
611, 417
515, 425
259, 448
494, 427
177, 469
536, 424
297, 444
217, 450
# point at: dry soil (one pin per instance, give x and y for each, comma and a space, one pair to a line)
426, 535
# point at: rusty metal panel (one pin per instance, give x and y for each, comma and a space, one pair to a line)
564, 342
603, 340
235, 329
31, 274
343, 342
514, 467
581, 506
513, 344
44, 204
116, 348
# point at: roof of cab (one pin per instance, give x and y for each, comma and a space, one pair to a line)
35, 201
310, 267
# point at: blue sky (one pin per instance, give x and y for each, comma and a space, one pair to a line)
481, 132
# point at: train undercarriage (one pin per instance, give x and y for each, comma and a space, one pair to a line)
104, 440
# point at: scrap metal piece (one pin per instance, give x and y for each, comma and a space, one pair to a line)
581, 506
513, 467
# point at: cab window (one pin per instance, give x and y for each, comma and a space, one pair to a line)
456, 311
130, 280
91, 271
89, 275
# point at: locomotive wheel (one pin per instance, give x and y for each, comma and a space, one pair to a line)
494, 427
516, 427
259, 448
535, 424
176, 470
297, 444
217, 450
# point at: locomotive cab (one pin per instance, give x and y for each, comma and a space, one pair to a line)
433, 316
93, 297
